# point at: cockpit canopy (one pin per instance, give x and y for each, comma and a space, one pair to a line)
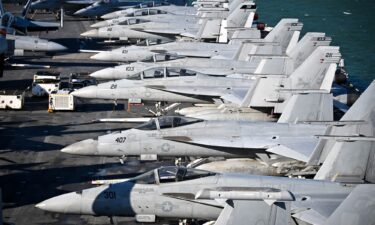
145, 12
162, 72
132, 21
167, 122
170, 174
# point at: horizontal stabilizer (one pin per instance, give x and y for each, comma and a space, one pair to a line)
357, 208
346, 138
123, 120
242, 206
290, 153
334, 123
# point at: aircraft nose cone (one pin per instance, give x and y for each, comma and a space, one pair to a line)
85, 147
90, 33
55, 47
108, 16
66, 203
102, 74
99, 24
100, 56
86, 92
81, 12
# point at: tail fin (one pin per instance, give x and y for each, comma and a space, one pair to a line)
357, 208
311, 74
306, 46
234, 4
353, 160
308, 107
208, 29
238, 17
282, 36
26, 8
316, 73
283, 32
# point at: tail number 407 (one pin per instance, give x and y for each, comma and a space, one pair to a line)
120, 139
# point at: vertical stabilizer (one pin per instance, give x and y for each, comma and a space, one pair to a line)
350, 157
308, 107
238, 17
26, 8
283, 32
306, 46
313, 71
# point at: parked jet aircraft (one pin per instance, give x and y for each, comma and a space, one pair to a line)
208, 28
29, 43
181, 136
183, 85
55, 5
283, 37
173, 9
250, 64
102, 7
23, 24
169, 14
180, 193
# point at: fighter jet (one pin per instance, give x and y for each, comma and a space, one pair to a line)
102, 7
207, 28
278, 42
16, 44
169, 13
158, 18
241, 62
23, 24
180, 136
183, 85
173, 9
55, 5
183, 193
86, 147
19, 44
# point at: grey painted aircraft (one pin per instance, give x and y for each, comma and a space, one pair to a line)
183, 193
29, 43
181, 136
23, 24
182, 85
55, 5
157, 18
207, 28
169, 13
102, 7
151, 11
284, 35
17, 44
242, 62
